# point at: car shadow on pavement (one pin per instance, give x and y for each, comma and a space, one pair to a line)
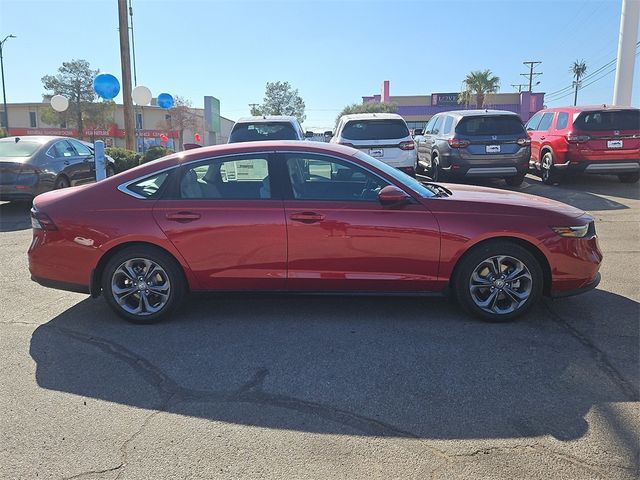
401, 367
15, 216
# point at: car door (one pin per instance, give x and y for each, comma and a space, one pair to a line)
87, 165
534, 135
228, 225
341, 238
66, 161
424, 143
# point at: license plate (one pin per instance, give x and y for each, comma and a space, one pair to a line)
376, 152
492, 148
614, 144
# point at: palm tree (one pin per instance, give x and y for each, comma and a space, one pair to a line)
579, 68
479, 83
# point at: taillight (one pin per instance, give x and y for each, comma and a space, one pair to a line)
27, 177
524, 141
458, 142
408, 145
41, 221
577, 138
346, 144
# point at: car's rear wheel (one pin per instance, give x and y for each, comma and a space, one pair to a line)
143, 284
629, 177
498, 281
547, 174
515, 181
434, 170
61, 182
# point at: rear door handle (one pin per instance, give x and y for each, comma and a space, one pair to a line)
307, 217
183, 217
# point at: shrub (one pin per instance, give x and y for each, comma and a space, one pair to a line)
125, 159
154, 153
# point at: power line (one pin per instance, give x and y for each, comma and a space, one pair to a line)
531, 74
518, 86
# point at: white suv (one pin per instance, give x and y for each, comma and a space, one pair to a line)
384, 136
266, 127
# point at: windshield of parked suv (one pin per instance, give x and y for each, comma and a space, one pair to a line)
375, 130
252, 132
11, 148
608, 120
490, 125
399, 175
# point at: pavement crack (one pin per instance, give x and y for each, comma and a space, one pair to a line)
600, 357
95, 472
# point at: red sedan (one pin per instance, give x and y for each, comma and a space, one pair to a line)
305, 217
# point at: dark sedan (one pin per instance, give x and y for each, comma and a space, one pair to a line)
31, 165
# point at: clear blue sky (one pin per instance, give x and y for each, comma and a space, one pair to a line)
333, 52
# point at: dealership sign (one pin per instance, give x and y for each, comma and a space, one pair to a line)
444, 99
112, 132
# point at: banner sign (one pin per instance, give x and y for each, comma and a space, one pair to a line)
444, 99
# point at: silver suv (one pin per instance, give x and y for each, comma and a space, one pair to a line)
474, 143
266, 127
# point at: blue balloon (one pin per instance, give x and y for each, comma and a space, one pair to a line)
165, 101
106, 86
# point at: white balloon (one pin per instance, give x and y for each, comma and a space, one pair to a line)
141, 95
59, 103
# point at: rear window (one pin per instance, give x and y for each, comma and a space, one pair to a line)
11, 148
149, 186
252, 132
608, 120
375, 130
490, 125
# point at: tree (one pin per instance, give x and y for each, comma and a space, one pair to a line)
371, 107
74, 80
281, 99
479, 83
579, 68
181, 117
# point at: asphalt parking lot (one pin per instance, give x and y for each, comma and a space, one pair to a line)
326, 387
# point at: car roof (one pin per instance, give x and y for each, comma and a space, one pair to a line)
268, 118
476, 113
588, 108
42, 139
372, 116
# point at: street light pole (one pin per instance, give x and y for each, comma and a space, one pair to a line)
4, 94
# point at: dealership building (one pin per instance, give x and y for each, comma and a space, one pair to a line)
418, 109
151, 123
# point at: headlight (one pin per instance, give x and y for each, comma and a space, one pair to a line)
573, 232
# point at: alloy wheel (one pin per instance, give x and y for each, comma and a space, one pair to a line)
500, 284
140, 286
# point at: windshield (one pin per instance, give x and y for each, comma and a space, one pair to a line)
375, 130
11, 148
608, 120
490, 125
398, 175
259, 131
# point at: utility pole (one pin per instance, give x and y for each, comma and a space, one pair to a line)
4, 94
623, 86
125, 61
531, 73
576, 84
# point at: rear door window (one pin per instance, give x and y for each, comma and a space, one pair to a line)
448, 123
490, 125
259, 131
545, 122
429, 126
608, 120
563, 121
375, 130
438, 125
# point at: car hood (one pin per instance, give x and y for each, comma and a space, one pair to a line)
476, 199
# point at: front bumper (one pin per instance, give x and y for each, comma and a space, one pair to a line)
569, 293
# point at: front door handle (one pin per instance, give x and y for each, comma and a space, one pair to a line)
307, 217
542, 138
183, 217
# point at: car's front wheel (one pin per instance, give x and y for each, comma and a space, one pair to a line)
549, 177
143, 284
498, 281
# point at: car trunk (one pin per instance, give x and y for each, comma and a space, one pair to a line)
608, 133
491, 135
14, 169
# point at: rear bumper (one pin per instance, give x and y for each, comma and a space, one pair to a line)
17, 192
599, 166
486, 166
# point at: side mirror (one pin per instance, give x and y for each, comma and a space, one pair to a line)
418, 131
328, 133
308, 134
392, 196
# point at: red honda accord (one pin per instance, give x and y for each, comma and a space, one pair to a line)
305, 217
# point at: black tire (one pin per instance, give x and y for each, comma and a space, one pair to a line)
172, 275
434, 171
61, 182
629, 177
476, 258
548, 176
515, 181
